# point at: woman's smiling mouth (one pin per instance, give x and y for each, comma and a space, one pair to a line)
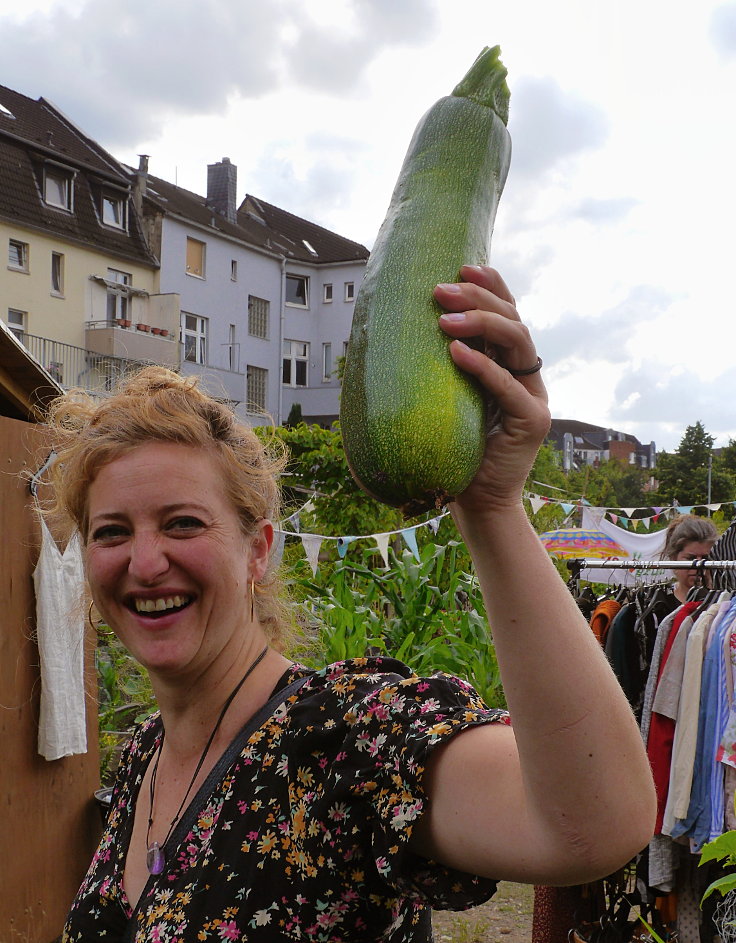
164, 604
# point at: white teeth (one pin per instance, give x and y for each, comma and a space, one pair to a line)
160, 605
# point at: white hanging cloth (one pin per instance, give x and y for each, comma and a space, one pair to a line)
59, 583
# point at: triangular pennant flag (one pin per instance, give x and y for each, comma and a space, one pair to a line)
342, 545
567, 508
635, 523
295, 522
628, 511
382, 544
655, 517
309, 506
410, 536
685, 510
646, 521
614, 517
714, 507
277, 547
434, 525
312, 544
657, 510
624, 522
536, 503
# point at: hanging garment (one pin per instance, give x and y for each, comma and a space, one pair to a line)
59, 583
705, 812
663, 634
686, 725
602, 617
662, 728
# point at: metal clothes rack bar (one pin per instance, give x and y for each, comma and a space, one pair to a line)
577, 564
583, 563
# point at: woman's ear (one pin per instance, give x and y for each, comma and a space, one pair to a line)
260, 549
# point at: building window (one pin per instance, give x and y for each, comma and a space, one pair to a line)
256, 384
294, 363
118, 302
57, 273
57, 188
258, 315
327, 361
327, 293
18, 255
233, 270
195, 257
349, 291
194, 338
113, 211
17, 322
297, 290
232, 349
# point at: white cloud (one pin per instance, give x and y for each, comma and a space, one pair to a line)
615, 228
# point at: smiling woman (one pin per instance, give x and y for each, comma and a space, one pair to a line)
266, 800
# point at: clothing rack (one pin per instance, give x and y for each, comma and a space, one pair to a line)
598, 564
577, 564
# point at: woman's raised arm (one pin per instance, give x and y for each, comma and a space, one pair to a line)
564, 795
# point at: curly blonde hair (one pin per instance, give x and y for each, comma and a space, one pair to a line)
158, 405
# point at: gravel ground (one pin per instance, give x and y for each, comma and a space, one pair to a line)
506, 918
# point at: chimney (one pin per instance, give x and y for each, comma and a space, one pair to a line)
221, 183
140, 183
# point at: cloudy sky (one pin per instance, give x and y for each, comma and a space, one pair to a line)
616, 228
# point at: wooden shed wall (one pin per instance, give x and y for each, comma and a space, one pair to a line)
49, 820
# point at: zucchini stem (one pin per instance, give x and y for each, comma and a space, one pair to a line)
485, 83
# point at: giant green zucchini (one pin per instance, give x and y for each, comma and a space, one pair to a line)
413, 425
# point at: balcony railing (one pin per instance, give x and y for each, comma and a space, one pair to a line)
74, 366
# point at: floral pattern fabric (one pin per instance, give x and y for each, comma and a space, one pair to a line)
305, 838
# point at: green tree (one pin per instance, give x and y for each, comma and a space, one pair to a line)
317, 465
611, 484
683, 474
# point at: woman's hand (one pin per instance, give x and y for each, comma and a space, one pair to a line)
482, 306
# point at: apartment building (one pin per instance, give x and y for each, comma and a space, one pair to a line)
109, 267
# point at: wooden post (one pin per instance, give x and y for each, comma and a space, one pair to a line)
49, 820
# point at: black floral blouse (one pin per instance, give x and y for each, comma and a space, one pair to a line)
305, 837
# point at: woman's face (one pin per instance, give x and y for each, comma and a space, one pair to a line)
694, 550
167, 562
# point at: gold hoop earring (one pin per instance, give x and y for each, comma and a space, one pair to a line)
97, 624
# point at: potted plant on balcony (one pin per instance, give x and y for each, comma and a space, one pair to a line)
122, 322
143, 327
164, 332
155, 330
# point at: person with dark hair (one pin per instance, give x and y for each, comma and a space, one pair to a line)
265, 800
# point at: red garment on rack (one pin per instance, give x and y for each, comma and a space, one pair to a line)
662, 729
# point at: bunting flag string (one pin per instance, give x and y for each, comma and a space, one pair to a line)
623, 517
312, 543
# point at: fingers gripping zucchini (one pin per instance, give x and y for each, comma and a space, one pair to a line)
413, 425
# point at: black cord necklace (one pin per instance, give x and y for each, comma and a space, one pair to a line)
155, 856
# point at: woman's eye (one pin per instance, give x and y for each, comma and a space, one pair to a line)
108, 532
186, 524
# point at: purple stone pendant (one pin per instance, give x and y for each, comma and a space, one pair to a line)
155, 859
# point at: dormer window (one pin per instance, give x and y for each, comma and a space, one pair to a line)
57, 188
113, 211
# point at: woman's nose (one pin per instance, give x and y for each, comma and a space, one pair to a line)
148, 559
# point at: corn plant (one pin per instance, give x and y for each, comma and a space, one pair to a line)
428, 613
